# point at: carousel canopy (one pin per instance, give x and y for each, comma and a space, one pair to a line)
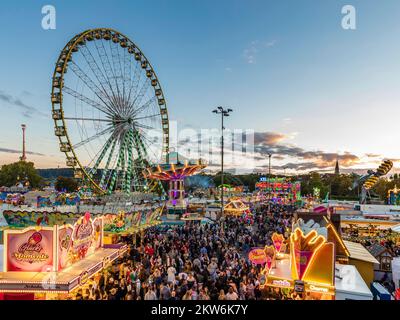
236, 207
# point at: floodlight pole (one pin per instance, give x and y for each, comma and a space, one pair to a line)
224, 113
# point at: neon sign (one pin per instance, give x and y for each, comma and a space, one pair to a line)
318, 289
281, 283
277, 240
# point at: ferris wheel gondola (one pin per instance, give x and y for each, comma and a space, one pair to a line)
109, 111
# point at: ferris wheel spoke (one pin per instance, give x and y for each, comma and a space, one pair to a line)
140, 95
88, 119
143, 126
117, 69
146, 145
129, 166
105, 61
144, 106
91, 61
105, 170
119, 162
102, 152
136, 80
139, 165
100, 93
127, 73
97, 135
88, 101
148, 117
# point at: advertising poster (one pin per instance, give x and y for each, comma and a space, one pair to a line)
30, 251
65, 257
79, 241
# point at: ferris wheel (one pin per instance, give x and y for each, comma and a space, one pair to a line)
109, 111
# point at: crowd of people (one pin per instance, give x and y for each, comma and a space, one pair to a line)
193, 261
386, 238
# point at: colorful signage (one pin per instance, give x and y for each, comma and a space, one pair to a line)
277, 240
29, 250
44, 249
281, 283
269, 252
257, 256
305, 250
78, 241
65, 257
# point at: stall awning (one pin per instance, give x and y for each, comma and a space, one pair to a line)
359, 252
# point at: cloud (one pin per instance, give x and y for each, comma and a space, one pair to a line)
5, 150
251, 52
318, 158
27, 110
27, 93
268, 138
372, 155
251, 153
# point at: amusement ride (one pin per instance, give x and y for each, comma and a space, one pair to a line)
369, 180
109, 112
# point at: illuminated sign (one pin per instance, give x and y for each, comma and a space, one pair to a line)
318, 289
281, 283
269, 252
29, 250
257, 256
312, 257
277, 240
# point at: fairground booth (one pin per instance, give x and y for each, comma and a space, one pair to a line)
279, 190
236, 207
231, 191
130, 224
311, 265
50, 262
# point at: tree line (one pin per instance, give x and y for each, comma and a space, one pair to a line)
341, 186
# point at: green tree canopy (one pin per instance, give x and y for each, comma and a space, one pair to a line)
66, 184
11, 174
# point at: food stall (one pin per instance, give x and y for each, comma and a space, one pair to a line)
50, 262
307, 271
236, 207
313, 267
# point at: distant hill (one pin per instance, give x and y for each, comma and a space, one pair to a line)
52, 174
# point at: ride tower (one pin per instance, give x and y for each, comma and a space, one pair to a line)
175, 171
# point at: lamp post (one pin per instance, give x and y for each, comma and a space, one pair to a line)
224, 113
269, 173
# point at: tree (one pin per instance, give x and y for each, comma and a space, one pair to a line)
11, 174
66, 184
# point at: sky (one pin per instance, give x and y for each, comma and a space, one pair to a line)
311, 91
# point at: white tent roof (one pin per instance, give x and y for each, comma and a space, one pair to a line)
351, 281
396, 228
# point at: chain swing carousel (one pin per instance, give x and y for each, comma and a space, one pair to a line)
175, 172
